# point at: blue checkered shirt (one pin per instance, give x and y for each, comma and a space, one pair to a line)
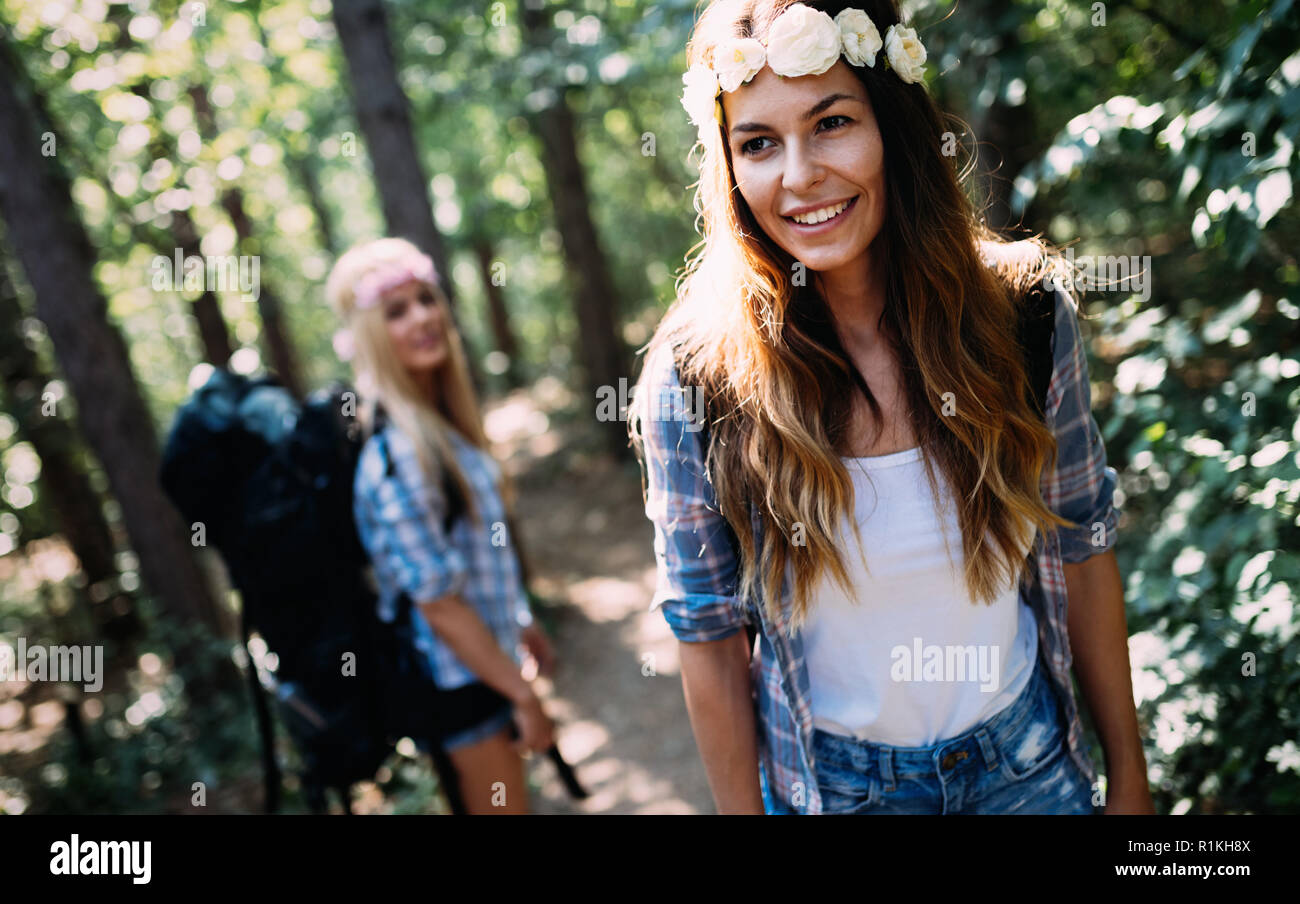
697, 560
400, 516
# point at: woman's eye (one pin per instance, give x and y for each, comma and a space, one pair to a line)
393, 312
426, 298
752, 147
830, 123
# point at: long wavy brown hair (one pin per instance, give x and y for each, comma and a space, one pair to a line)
779, 384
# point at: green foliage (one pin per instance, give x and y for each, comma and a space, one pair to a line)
149, 742
1177, 141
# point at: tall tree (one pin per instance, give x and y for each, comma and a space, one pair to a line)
63, 482
1004, 130
503, 337
385, 118
304, 168
301, 153
213, 332
599, 345
55, 253
275, 333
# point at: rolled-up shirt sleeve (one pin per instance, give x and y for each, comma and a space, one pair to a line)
399, 518
1082, 486
694, 548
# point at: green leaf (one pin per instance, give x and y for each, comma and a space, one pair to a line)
1238, 52
1271, 195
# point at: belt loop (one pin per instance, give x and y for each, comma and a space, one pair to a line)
887, 768
987, 748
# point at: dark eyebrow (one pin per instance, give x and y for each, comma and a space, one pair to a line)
819, 107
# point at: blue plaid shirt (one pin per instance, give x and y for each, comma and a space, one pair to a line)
697, 560
400, 516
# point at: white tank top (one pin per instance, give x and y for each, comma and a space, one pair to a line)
908, 660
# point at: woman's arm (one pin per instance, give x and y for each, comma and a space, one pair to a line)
697, 573
1099, 641
399, 517
1081, 488
461, 628
715, 680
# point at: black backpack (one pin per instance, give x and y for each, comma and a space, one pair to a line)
271, 481
1035, 329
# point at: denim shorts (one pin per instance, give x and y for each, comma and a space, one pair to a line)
1016, 762
483, 730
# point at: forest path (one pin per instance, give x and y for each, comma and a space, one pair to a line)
616, 692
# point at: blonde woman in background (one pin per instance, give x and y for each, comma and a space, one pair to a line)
429, 503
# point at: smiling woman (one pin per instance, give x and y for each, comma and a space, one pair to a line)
875, 469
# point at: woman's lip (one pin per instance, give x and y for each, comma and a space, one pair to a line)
824, 225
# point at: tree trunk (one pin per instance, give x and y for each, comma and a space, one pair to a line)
206, 309
303, 166
595, 299
305, 170
55, 252
385, 120
503, 338
275, 334
213, 333
1005, 133
63, 483
599, 345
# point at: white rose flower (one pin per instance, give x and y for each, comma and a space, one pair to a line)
905, 53
803, 41
701, 94
860, 37
736, 62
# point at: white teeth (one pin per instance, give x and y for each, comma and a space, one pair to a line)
821, 216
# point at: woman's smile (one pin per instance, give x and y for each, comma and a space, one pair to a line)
818, 219
430, 340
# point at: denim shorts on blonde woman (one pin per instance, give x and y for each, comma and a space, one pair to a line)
1016, 762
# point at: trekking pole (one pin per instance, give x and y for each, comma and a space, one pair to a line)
566, 773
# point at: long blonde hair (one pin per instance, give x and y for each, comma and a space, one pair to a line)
382, 380
779, 384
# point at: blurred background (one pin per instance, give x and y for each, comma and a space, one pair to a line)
540, 154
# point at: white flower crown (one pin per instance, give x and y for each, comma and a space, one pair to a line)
802, 41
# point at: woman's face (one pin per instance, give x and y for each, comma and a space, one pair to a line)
416, 327
806, 147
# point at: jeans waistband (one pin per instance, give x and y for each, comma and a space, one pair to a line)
861, 754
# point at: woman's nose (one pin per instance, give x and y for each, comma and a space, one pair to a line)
424, 313
802, 170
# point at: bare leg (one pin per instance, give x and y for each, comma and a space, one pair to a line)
491, 776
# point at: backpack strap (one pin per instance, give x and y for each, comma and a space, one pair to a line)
1036, 328
380, 422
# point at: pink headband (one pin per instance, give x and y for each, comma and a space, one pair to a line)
391, 274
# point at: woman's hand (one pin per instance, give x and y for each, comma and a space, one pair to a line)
536, 730
1129, 796
539, 648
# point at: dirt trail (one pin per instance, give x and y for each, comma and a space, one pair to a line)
616, 692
